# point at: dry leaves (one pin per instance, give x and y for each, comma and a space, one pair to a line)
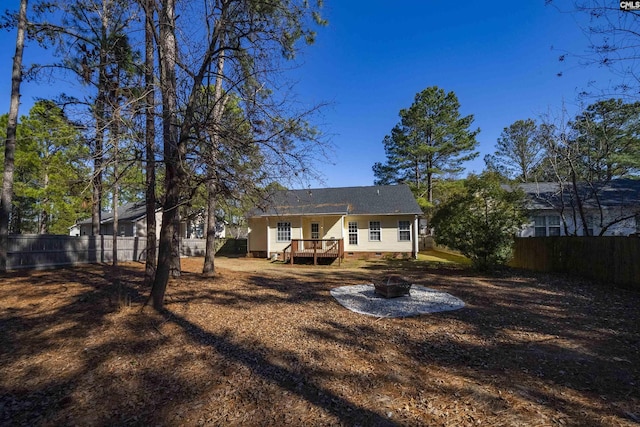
265, 344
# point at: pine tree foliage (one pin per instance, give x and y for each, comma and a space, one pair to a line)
607, 140
50, 190
432, 140
519, 151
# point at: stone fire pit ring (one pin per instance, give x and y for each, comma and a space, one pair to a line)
421, 300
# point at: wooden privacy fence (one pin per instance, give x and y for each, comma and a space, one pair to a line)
610, 259
37, 251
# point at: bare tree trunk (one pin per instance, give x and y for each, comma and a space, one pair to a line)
10, 144
44, 215
96, 204
116, 225
100, 111
579, 202
175, 246
210, 246
150, 135
167, 50
218, 111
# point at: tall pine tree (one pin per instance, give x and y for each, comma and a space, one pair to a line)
431, 140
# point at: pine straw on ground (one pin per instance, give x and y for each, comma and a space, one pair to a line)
265, 344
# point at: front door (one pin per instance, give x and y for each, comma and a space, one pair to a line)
315, 234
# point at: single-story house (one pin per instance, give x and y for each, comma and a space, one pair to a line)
336, 223
132, 221
611, 209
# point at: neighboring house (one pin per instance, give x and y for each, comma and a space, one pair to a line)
74, 230
611, 209
132, 221
336, 223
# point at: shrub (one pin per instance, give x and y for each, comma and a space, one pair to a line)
482, 221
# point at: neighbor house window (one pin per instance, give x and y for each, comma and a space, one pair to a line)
548, 225
404, 231
353, 233
284, 232
374, 231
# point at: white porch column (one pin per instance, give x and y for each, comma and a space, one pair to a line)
415, 237
268, 239
342, 227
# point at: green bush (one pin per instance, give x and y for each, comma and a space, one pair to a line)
482, 221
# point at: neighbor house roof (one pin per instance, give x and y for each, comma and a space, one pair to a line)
615, 193
373, 200
127, 212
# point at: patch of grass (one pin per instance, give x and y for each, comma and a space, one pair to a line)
443, 256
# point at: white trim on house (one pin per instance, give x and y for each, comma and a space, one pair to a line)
334, 209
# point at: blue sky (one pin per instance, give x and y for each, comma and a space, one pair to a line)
499, 57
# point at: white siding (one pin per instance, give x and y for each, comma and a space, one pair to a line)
389, 239
623, 228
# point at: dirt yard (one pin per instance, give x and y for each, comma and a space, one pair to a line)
266, 344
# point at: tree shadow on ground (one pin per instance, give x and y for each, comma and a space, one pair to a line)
536, 337
271, 348
296, 383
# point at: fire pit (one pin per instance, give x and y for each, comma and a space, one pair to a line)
392, 287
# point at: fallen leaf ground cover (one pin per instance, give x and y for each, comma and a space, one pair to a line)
263, 343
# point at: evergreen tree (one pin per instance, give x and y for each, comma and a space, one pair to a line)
51, 173
481, 222
6, 194
431, 140
607, 140
519, 151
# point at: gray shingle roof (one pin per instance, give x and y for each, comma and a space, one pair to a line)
372, 200
616, 193
127, 212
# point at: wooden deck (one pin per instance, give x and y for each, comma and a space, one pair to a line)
314, 248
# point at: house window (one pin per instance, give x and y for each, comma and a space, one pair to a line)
374, 231
404, 231
547, 225
353, 233
284, 232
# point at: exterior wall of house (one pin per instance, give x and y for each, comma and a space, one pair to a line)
623, 228
141, 225
257, 240
85, 229
263, 243
389, 235
74, 230
329, 227
296, 232
133, 229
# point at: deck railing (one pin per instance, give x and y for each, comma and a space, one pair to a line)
315, 248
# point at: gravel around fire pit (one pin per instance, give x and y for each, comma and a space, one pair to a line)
421, 300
